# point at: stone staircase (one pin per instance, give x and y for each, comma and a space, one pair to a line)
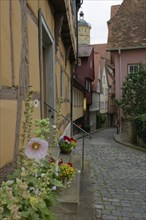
69, 198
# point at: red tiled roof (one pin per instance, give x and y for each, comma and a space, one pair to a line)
114, 9
127, 28
101, 49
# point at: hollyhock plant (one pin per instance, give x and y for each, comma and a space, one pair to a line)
36, 149
30, 191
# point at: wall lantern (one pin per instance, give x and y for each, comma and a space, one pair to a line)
84, 104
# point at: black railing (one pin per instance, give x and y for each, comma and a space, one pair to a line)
82, 130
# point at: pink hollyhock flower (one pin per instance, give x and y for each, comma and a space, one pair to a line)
36, 148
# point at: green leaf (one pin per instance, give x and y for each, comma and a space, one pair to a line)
56, 182
14, 175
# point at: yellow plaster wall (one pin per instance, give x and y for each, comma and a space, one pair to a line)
43, 4
68, 69
17, 38
65, 108
65, 87
33, 5
71, 23
5, 53
8, 110
33, 54
77, 107
60, 64
77, 113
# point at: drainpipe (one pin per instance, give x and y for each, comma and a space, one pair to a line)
120, 84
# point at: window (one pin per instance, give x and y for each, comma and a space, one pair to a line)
47, 72
133, 68
104, 80
99, 73
88, 85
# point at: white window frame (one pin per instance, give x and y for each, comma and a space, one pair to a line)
133, 67
88, 85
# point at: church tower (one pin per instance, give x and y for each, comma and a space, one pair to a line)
83, 31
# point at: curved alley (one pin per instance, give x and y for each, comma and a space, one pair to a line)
118, 177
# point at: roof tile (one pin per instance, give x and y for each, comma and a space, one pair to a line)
127, 28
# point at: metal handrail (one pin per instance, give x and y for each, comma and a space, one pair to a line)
84, 132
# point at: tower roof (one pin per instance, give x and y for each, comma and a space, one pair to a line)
82, 21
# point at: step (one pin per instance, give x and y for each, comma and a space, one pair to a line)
69, 198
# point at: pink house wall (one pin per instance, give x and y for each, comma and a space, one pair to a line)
121, 60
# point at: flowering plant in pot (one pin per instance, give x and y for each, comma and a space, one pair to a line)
67, 144
65, 171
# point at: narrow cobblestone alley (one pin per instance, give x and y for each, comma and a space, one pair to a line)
118, 176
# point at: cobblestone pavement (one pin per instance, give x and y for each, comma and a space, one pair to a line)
119, 178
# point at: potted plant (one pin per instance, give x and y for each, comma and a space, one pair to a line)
66, 172
67, 144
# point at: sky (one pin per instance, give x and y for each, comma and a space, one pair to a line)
97, 13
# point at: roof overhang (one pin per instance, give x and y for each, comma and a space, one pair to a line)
58, 6
78, 85
126, 48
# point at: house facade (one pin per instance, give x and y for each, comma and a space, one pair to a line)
96, 89
38, 49
104, 96
111, 94
85, 75
77, 105
127, 43
100, 87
